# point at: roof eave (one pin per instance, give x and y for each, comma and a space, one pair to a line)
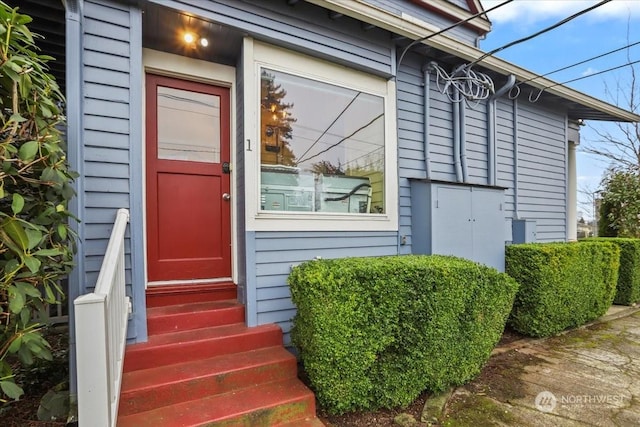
481, 24
414, 29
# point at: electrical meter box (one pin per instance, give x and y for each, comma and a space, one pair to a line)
284, 188
345, 194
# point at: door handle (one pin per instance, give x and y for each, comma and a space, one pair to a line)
226, 197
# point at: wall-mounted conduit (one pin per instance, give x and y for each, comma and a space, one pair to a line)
491, 130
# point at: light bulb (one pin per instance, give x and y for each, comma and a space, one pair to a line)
204, 42
188, 38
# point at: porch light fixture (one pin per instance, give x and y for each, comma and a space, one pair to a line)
190, 39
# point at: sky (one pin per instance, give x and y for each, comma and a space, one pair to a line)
609, 27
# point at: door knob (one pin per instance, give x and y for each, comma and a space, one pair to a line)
226, 197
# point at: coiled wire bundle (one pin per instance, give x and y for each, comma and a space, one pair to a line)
463, 83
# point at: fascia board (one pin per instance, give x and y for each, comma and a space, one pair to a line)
456, 13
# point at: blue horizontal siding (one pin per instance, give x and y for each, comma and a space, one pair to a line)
277, 252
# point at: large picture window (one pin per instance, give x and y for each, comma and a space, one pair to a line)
322, 146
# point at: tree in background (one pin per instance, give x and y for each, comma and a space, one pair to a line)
275, 123
36, 243
620, 205
621, 146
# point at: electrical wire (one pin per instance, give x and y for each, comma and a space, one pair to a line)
330, 126
472, 85
580, 63
537, 97
532, 36
450, 27
345, 138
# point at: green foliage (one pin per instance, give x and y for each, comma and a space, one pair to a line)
628, 288
621, 202
605, 227
36, 247
562, 285
376, 332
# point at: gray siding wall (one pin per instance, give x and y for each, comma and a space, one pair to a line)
277, 252
397, 7
440, 134
505, 159
542, 185
540, 132
476, 122
411, 164
540, 164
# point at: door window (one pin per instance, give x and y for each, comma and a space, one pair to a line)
188, 126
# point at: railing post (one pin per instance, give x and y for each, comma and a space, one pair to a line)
93, 364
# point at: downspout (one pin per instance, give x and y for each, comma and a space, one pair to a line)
516, 212
395, 66
463, 139
491, 130
427, 99
73, 73
456, 136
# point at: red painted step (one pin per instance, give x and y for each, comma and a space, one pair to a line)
203, 366
162, 295
173, 318
185, 346
153, 388
265, 405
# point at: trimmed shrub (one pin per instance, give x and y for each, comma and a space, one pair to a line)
376, 332
628, 288
562, 285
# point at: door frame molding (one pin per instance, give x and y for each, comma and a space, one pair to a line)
196, 70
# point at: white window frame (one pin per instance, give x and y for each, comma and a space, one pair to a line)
258, 55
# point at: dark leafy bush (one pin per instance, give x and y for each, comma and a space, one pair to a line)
628, 288
36, 243
562, 285
376, 332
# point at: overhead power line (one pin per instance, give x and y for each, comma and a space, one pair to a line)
627, 64
330, 126
539, 33
451, 27
345, 138
602, 55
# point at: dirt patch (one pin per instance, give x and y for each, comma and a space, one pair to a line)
36, 380
381, 418
500, 377
509, 336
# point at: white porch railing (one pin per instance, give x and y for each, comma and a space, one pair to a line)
101, 334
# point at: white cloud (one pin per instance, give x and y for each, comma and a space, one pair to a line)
530, 11
588, 72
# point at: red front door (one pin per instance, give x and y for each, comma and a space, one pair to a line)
188, 208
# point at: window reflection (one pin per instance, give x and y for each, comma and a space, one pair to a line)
188, 126
322, 146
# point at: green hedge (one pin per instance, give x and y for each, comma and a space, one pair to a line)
562, 285
376, 332
628, 289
